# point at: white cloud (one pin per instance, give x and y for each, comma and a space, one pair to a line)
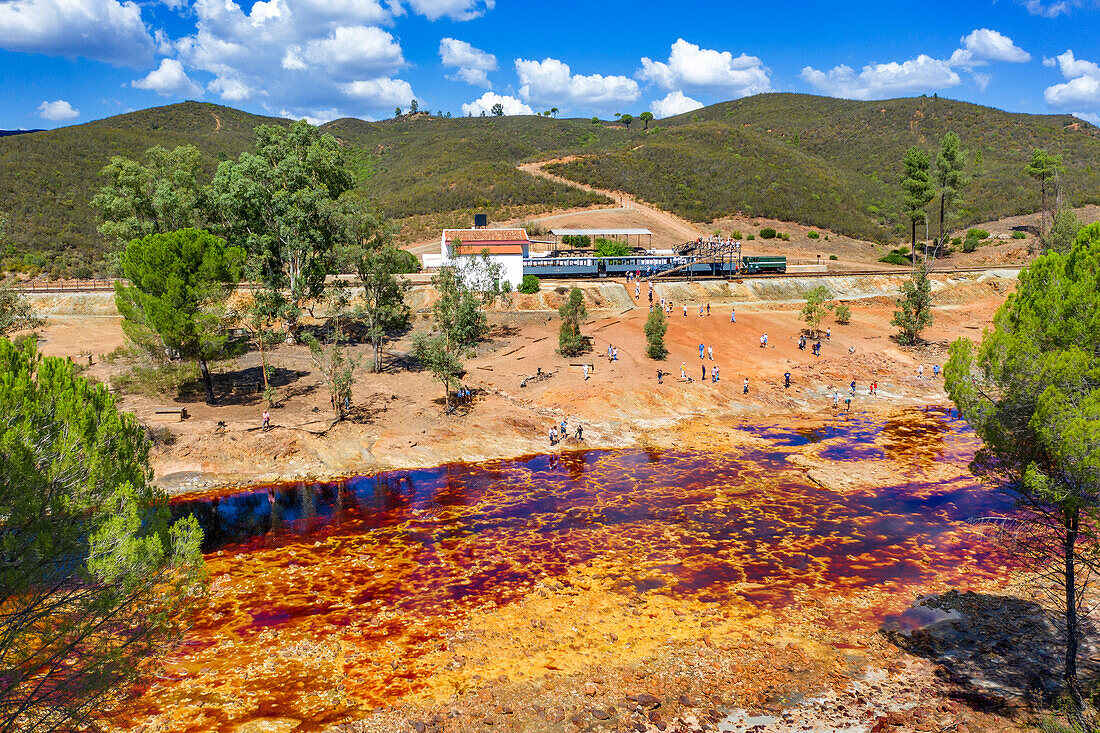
879, 81
169, 80
551, 82
313, 116
984, 45
691, 66
1082, 88
104, 30
471, 63
674, 103
302, 57
488, 100
380, 92
981, 81
453, 9
1092, 117
58, 111
1050, 10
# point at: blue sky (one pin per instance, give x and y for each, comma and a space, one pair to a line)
70, 61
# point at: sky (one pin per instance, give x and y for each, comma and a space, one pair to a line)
64, 62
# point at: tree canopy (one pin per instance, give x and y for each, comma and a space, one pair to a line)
915, 306
916, 181
1032, 392
1044, 168
161, 195
281, 204
950, 176
95, 580
176, 280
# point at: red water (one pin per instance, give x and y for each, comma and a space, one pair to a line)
388, 564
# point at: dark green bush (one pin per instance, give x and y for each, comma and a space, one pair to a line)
767, 233
408, 261
812, 234
1019, 235
751, 237
970, 244
736, 234
956, 241
576, 240
833, 257
611, 248
785, 237
530, 284
977, 233
894, 258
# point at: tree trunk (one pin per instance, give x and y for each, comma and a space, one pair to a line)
1071, 521
263, 362
207, 382
943, 205
1043, 211
914, 253
377, 339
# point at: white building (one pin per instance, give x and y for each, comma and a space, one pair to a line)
506, 247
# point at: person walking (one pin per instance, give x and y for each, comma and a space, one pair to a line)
935, 371
733, 315
584, 368
708, 309
745, 387
580, 432
683, 371
660, 375
714, 374
701, 350
563, 432
847, 404
829, 334
685, 311
710, 353
787, 380
551, 434
853, 386
700, 311
265, 420
836, 399
704, 366
920, 372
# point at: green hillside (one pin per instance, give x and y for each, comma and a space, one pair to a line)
824, 162
836, 163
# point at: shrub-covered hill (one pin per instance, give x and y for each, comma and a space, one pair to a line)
836, 163
824, 162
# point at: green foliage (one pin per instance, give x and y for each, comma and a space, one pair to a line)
785, 237
971, 243
259, 317
330, 357
915, 314
595, 120
949, 175
611, 248
162, 195
1030, 391
916, 182
573, 313
646, 117
977, 233
423, 178
833, 257
816, 308
626, 119
843, 314
530, 284
956, 241
405, 262
812, 234
736, 234
280, 204
576, 240
751, 237
382, 307
435, 354
894, 258
1063, 231
157, 380
1044, 168
96, 582
458, 311
767, 233
655, 327
177, 283
1020, 235
498, 110
16, 313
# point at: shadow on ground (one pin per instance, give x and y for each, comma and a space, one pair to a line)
993, 652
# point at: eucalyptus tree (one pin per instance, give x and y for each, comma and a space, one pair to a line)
281, 204
950, 176
163, 194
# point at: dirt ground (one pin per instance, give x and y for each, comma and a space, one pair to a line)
685, 664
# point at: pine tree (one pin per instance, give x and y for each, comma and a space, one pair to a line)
655, 327
918, 189
916, 307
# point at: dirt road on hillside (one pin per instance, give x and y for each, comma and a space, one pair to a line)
681, 226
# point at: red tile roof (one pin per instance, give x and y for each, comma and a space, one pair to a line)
496, 248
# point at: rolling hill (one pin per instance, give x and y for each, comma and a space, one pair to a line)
820, 161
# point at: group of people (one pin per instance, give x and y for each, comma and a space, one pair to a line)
560, 432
